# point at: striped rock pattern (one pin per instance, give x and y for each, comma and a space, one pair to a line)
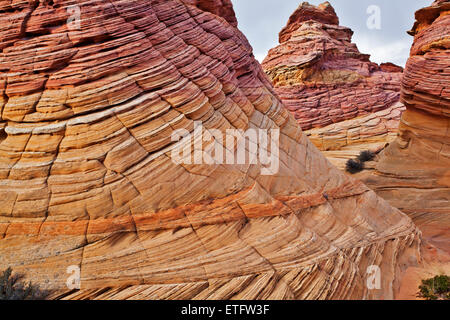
413, 174
321, 76
345, 140
88, 178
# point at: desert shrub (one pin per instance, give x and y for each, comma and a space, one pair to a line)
354, 166
13, 288
365, 156
437, 288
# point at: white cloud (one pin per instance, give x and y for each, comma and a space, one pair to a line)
396, 52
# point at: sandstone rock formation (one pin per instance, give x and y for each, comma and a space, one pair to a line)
321, 76
345, 140
413, 173
88, 176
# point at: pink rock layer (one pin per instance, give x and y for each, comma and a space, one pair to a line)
88, 177
321, 76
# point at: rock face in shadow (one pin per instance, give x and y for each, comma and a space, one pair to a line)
89, 175
321, 76
413, 173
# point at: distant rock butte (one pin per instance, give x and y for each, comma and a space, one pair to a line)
87, 176
413, 173
321, 76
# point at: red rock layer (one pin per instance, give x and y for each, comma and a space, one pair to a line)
413, 174
321, 77
88, 177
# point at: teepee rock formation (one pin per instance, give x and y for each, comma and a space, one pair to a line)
413, 173
321, 76
89, 177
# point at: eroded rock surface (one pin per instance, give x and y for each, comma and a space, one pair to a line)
413, 173
88, 178
320, 75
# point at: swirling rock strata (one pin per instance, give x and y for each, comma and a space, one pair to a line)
413, 173
321, 76
88, 176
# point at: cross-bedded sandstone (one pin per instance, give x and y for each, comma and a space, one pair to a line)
87, 176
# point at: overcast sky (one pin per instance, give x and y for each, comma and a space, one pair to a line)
261, 20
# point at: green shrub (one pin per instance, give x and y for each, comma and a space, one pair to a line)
365, 156
354, 166
13, 288
437, 288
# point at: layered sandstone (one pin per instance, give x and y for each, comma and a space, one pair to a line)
413, 173
321, 76
88, 176
345, 140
